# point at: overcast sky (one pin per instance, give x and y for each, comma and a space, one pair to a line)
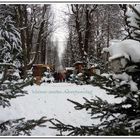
59, 20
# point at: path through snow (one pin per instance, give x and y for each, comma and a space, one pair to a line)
51, 100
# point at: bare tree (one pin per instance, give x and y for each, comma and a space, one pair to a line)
82, 24
91, 27
35, 23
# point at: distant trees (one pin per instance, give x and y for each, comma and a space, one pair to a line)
52, 57
91, 27
71, 52
81, 14
82, 24
35, 23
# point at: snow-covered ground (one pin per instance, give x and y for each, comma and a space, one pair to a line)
51, 100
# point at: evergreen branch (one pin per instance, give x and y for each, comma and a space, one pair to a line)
6, 97
72, 130
106, 128
20, 126
96, 107
135, 10
7, 64
78, 105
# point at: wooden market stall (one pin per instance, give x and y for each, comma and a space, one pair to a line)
38, 71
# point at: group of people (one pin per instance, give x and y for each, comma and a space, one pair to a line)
61, 76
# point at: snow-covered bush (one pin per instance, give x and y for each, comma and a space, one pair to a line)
126, 52
47, 77
128, 49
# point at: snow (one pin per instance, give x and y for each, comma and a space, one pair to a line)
98, 71
126, 79
85, 53
132, 16
51, 100
47, 79
1, 75
91, 78
132, 68
105, 75
126, 50
69, 68
79, 74
135, 123
133, 86
16, 73
78, 62
116, 56
46, 73
129, 49
124, 76
94, 65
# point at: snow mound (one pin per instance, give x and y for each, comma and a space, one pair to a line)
129, 49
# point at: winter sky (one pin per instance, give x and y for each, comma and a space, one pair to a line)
61, 32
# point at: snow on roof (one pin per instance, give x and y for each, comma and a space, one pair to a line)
79, 74
114, 57
42, 65
37, 64
78, 62
69, 68
94, 66
129, 49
